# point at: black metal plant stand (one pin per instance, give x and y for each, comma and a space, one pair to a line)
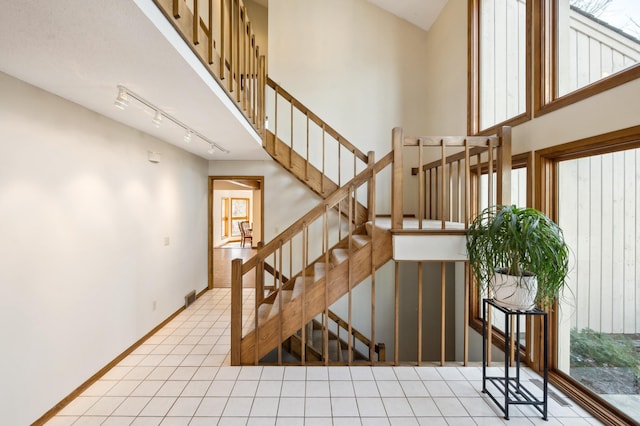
512, 391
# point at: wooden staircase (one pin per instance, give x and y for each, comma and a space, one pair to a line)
280, 316
445, 190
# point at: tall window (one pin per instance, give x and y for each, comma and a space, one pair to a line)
587, 46
500, 62
239, 213
599, 324
582, 47
595, 39
592, 188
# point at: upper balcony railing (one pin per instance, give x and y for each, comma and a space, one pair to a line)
221, 35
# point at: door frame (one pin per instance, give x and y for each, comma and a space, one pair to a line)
210, 223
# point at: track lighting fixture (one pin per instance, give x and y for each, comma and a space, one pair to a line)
122, 101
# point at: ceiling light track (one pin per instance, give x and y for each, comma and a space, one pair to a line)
122, 101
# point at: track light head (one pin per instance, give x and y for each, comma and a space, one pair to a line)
122, 101
188, 136
211, 149
157, 119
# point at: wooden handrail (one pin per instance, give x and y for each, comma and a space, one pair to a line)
313, 117
461, 141
450, 159
315, 213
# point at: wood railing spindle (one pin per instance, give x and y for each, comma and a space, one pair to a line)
223, 40
420, 185
323, 159
280, 303
306, 169
210, 42
196, 22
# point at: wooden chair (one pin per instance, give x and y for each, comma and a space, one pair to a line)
245, 232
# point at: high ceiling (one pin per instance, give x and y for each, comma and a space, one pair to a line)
421, 13
81, 50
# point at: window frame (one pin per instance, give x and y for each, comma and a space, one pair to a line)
546, 200
225, 222
473, 63
545, 56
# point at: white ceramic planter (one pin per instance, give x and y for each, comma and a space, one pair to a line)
514, 292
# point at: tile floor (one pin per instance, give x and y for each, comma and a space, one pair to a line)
181, 376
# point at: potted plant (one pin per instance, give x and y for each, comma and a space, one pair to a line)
519, 254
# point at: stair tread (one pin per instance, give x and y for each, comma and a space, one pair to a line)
339, 255
268, 310
264, 310
319, 270
297, 288
360, 240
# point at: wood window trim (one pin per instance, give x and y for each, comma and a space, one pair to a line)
474, 72
518, 161
226, 221
546, 200
545, 63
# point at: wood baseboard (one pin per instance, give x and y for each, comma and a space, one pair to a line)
80, 389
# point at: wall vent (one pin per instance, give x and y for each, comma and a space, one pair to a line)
189, 298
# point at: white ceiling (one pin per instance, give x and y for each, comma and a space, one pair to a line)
421, 13
81, 50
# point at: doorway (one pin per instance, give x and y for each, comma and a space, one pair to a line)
232, 200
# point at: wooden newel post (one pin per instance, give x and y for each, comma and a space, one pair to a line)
236, 310
396, 178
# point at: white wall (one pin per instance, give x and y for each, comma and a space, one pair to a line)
83, 218
358, 67
445, 111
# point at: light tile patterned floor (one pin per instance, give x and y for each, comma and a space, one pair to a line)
181, 376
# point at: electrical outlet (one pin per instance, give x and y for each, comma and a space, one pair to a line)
154, 305
166, 241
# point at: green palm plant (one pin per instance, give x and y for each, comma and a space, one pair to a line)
520, 242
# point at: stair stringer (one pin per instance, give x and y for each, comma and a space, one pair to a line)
359, 263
